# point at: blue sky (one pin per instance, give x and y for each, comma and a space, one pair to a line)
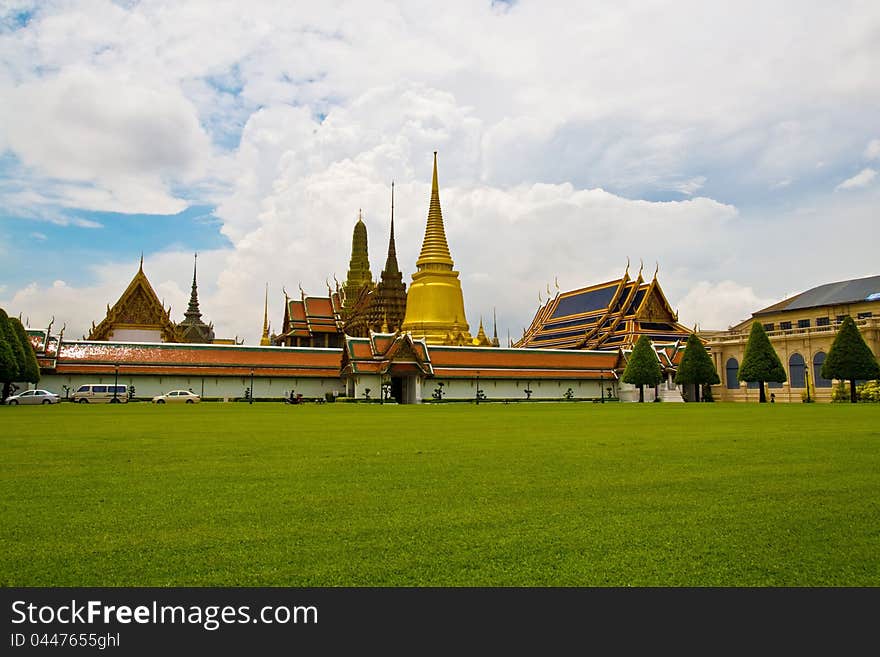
737, 147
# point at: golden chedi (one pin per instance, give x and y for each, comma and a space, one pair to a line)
434, 302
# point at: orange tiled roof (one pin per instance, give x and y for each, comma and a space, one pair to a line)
399, 353
450, 362
82, 357
311, 315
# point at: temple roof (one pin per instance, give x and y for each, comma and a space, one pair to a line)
192, 328
88, 357
609, 315
308, 316
384, 353
830, 294
138, 307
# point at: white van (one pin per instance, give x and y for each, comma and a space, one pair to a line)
100, 393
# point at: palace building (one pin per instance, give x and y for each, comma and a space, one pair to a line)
801, 329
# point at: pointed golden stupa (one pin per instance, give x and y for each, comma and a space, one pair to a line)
434, 302
264, 340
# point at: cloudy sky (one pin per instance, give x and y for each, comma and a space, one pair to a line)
735, 145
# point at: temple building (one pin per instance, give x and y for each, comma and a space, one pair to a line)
192, 328
311, 321
359, 280
434, 303
138, 315
801, 329
610, 315
380, 307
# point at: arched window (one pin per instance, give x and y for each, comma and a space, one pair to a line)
796, 367
732, 369
818, 381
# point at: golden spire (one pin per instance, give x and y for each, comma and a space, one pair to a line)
434, 302
264, 341
435, 250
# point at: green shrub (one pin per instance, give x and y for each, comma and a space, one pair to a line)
869, 392
840, 393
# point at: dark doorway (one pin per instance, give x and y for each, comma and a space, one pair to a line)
397, 389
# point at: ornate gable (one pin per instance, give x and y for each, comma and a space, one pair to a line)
138, 308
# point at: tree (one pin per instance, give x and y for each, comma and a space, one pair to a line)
8, 366
29, 369
10, 371
696, 365
760, 362
850, 358
643, 366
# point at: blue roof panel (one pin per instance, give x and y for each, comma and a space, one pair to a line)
585, 302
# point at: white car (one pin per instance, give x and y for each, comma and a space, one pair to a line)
33, 397
177, 396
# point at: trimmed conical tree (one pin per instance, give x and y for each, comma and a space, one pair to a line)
29, 369
8, 366
696, 366
643, 366
850, 358
760, 362
13, 372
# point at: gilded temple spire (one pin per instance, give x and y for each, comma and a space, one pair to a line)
264, 340
358, 267
435, 250
434, 303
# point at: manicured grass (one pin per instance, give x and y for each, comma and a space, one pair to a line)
491, 495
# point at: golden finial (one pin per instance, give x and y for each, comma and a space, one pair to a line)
641, 267
626, 272
141, 265
656, 269
556, 282
284, 290
540, 300
302, 292
435, 250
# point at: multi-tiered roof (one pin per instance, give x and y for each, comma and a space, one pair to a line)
610, 315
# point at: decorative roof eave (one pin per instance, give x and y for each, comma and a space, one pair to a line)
603, 335
653, 287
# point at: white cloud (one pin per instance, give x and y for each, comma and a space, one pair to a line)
39, 236
861, 179
720, 305
551, 124
124, 138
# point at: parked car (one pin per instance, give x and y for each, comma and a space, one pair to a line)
33, 397
100, 393
177, 396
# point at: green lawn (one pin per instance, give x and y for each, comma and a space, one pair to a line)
560, 494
